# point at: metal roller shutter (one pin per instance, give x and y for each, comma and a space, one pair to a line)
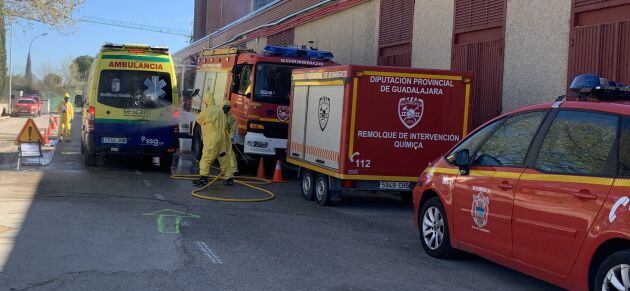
600, 39
395, 32
478, 42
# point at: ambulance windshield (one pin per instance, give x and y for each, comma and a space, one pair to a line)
135, 89
273, 83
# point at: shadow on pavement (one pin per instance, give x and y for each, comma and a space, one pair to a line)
65, 221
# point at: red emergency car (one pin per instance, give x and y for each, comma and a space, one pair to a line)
544, 190
27, 106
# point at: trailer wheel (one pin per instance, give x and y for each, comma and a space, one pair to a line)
322, 190
307, 183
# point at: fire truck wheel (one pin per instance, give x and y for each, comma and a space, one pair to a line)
307, 183
322, 190
433, 228
197, 143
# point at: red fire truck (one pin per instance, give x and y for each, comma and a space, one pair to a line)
257, 86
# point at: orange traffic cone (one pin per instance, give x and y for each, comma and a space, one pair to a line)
53, 123
261, 169
277, 175
46, 140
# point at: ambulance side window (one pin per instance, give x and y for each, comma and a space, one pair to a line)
472, 142
624, 148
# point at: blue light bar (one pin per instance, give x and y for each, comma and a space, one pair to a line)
585, 82
298, 53
599, 87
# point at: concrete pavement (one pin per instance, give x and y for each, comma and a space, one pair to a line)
74, 228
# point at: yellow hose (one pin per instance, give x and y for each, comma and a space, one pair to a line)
245, 181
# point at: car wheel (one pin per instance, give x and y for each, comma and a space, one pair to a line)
322, 190
307, 183
614, 272
434, 233
166, 162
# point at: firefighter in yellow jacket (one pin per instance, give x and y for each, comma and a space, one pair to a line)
212, 122
66, 114
228, 163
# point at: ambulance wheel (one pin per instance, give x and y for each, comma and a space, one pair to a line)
322, 190
307, 182
433, 227
89, 159
166, 162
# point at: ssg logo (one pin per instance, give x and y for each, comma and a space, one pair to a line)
323, 112
150, 141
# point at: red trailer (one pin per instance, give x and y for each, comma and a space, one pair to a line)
373, 128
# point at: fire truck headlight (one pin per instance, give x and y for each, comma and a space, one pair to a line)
258, 144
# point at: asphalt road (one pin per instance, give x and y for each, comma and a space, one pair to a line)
74, 228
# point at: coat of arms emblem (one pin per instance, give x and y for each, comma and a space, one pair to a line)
283, 113
410, 111
323, 112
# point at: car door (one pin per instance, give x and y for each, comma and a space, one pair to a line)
558, 198
483, 198
617, 206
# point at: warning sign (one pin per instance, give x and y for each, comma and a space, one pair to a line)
29, 133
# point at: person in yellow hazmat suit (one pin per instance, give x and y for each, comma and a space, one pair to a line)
228, 163
212, 122
66, 114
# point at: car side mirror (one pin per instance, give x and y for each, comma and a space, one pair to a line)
195, 93
462, 160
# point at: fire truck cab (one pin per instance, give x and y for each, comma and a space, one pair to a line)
257, 87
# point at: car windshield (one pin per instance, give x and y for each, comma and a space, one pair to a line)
26, 101
135, 89
273, 83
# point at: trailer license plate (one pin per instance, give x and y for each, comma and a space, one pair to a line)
114, 140
386, 185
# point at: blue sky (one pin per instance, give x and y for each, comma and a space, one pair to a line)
86, 38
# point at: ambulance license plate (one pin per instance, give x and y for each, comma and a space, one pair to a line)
387, 185
114, 140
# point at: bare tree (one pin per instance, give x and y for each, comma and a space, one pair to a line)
56, 13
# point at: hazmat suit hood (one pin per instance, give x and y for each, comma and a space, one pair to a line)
208, 99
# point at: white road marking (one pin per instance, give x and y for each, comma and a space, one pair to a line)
159, 196
147, 183
71, 153
138, 173
208, 252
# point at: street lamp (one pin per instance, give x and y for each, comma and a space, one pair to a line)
28, 74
